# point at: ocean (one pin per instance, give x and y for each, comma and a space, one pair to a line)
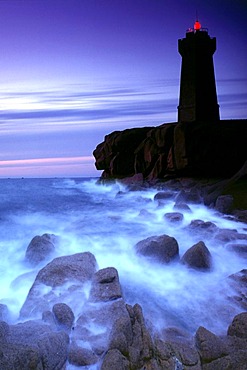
108, 220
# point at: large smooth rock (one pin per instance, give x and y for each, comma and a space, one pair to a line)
79, 267
4, 312
19, 357
186, 354
241, 215
131, 338
225, 352
189, 196
165, 355
121, 336
200, 226
227, 235
224, 204
180, 206
64, 315
79, 356
240, 249
95, 323
114, 360
198, 257
40, 248
105, 285
163, 248
141, 349
163, 196
238, 282
32, 345
210, 346
68, 272
238, 326
174, 217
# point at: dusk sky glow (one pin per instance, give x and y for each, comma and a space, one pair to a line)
72, 71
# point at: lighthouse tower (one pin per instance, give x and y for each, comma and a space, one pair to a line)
198, 97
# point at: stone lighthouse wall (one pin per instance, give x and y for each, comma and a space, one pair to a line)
198, 98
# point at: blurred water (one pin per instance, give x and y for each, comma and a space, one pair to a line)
108, 221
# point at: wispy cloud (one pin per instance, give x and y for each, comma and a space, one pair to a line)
71, 120
232, 97
41, 167
88, 105
45, 161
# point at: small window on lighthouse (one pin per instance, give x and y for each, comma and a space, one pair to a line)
197, 26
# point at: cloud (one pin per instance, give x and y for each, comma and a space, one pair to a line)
59, 107
119, 110
43, 167
71, 120
45, 161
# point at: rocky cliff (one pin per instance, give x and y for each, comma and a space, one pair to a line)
189, 148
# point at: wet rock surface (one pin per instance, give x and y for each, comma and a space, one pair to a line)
76, 314
40, 248
174, 216
32, 345
64, 316
110, 333
163, 248
73, 271
198, 257
239, 283
200, 226
224, 203
240, 249
105, 286
4, 312
238, 327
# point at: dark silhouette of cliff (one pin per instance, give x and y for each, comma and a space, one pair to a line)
214, 149
199, 144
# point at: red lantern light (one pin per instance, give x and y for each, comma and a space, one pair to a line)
197, 26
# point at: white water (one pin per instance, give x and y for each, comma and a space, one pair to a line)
99, 219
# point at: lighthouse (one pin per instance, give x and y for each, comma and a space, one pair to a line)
198, 97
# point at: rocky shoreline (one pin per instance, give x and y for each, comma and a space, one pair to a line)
97, 329
206, 149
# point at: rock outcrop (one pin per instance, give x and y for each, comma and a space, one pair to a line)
198, 257
239, 284
163, 248
32, 345
189, 148
40, 248
69, 271
82, 320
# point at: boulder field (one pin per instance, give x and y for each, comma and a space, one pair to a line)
75, 314
99, 328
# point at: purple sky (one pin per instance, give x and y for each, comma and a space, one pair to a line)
73, 71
